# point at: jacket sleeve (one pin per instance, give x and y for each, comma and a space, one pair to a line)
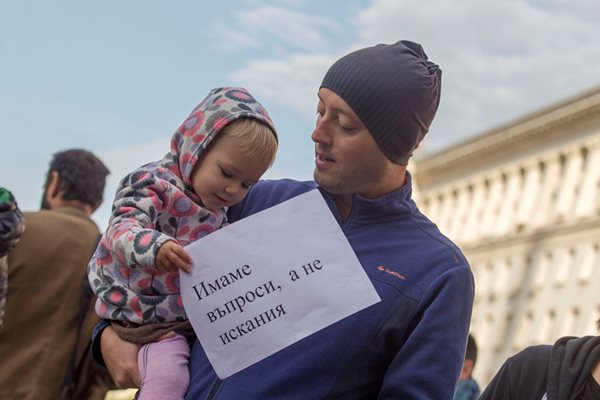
131, 234
428, 363
96, 336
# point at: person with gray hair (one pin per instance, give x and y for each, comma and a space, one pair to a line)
375, 105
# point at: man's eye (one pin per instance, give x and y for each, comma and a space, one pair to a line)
346, 128
345, 123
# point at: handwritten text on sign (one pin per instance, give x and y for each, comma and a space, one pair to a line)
271, 279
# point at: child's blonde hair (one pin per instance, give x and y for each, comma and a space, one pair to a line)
255, 137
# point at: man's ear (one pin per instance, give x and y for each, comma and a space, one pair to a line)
53, 188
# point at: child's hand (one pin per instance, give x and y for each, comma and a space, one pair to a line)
171, 256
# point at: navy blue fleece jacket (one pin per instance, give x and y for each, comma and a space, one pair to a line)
409, 346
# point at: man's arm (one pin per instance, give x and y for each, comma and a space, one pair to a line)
117, 355
428, 364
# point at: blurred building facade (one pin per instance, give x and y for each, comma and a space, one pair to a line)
523, 203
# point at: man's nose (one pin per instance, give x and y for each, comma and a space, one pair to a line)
320, 133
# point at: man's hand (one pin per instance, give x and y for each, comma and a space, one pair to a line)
172, 256
120, 358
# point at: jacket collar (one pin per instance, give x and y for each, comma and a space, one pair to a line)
394, 205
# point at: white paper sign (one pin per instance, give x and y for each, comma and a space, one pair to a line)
271, 279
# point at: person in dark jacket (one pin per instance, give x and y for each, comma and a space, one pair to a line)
569, 369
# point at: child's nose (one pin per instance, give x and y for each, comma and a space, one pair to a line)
231, 189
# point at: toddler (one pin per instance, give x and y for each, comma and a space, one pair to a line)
223, 148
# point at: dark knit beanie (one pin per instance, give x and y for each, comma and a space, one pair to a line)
393, 89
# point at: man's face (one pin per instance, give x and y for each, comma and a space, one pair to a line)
347, 158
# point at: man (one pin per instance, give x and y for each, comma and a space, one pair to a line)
467, 388
375, 106
569, 369
44, 299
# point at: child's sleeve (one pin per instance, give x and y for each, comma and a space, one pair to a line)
131, 235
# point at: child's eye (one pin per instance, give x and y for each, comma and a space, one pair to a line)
246, 185
226, 173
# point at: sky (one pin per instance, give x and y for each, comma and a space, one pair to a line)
117, 78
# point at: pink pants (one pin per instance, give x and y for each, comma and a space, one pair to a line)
164, 369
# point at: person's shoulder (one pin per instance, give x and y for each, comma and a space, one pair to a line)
531, 356
39, 217
441, 253
535, 350
522, 376
467, 389
268, 193
65, 218
272, 192
288, 184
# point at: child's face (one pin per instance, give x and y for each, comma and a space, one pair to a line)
225, 172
